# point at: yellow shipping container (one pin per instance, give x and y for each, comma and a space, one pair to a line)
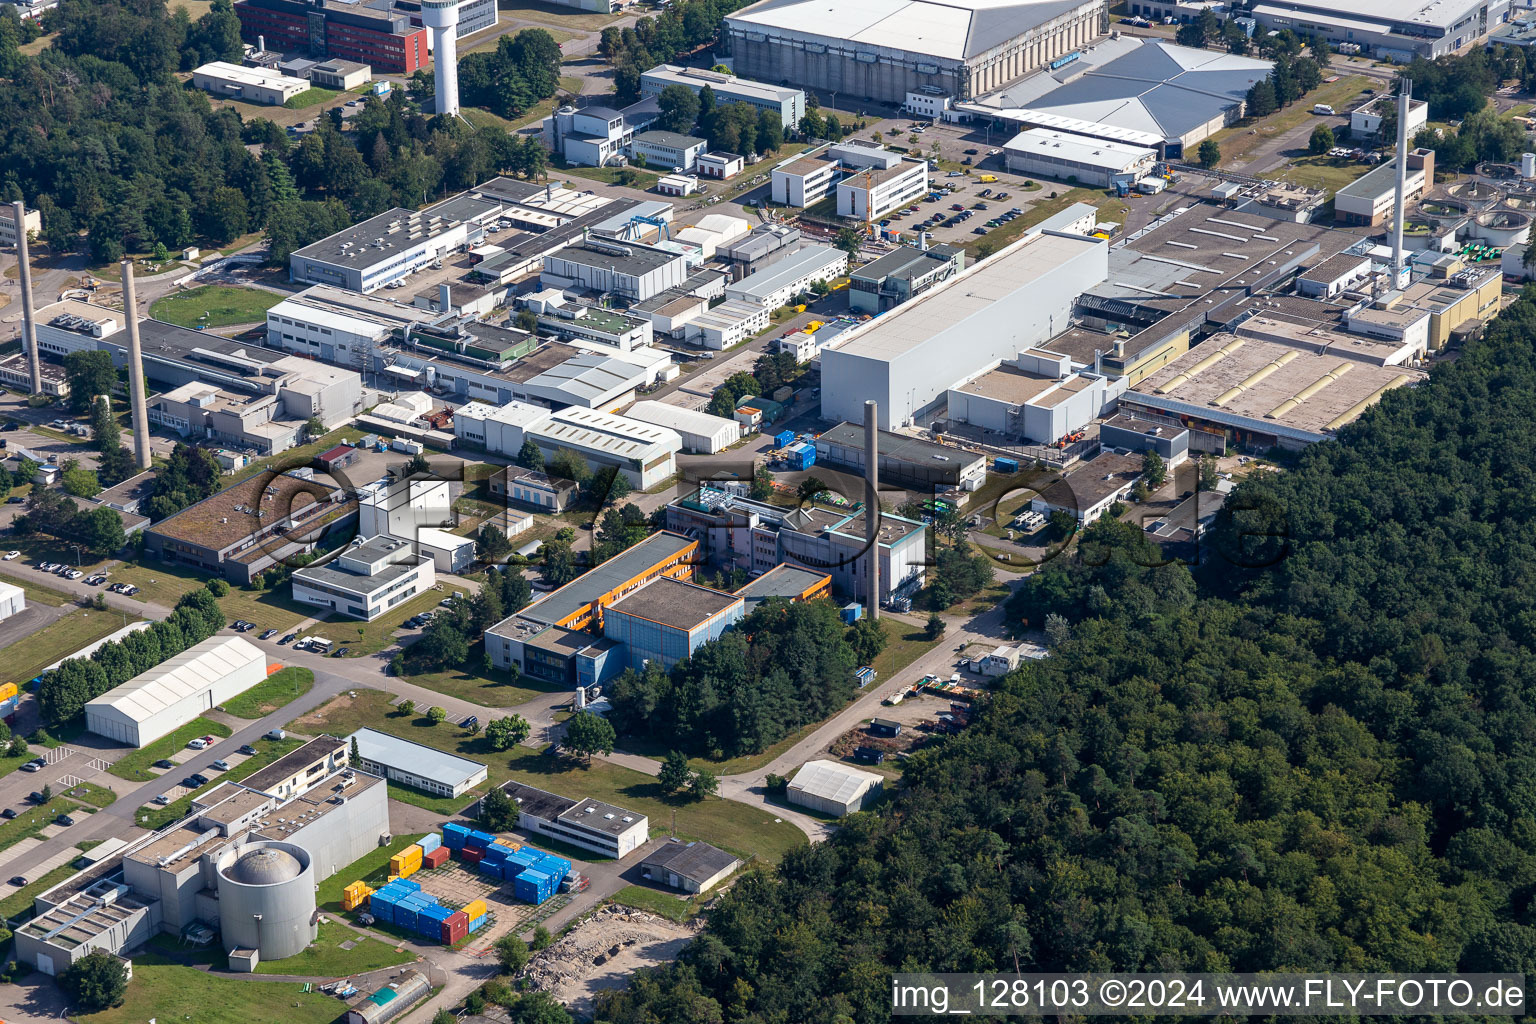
7, 691
474, 909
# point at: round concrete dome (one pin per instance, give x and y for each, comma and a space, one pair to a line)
266, 866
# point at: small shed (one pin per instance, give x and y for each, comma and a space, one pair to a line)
884, 727
691, 867
341, 456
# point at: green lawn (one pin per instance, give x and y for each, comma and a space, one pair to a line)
185, 994
135, 767
643, 179
371, 637
738, 827
550, 14
164, 584
43, 548
371, 867
153, 816
665, 904
313, 96
1238, 141
21, 899
493, 691
490, 40
28, 657
1324, 172
279, 689
90, 793
325, 957
215, 305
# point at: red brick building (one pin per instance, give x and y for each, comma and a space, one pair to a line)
384, 40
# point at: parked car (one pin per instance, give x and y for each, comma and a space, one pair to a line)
74, 574
165, 765
35, 797
276, 734
341, 652
288, 639
29, 767
971, 152
269, 634
12, 554
96, 580
222, 765
190, 782
8, 813
18, 880
197, 744
163, 799
471, 720
64, 820
199, 779
247, 749
210, 740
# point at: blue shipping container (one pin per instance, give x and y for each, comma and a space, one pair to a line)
479, 922
480, 840
784, 438
1003, 465
851, 613
408, 885
430, 842
494, 870
556, 867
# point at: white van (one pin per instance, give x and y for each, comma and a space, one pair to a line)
1322, 108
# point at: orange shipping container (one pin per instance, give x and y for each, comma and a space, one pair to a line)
474, 909
436, 858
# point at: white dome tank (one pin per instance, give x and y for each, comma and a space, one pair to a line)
267, 899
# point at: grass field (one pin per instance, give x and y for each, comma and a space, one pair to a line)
163, 584
215, 305
90, 793
492, 691
643, 179
36, 593
32, 820
174, 993
135, 767
279, 689
664, 904
325, 956
27, 657
153, 816
372, 865
313, 96
371, 637
735, 826
21, 899
1324, 172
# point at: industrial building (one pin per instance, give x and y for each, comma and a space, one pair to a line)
601, 329
810, 177
244, 863
728, 323
1067, 157
176, 691
252, 525
1264, 393
593, 136
416, 765
1370, 198
627, 269
367, 579
784, 102
13, 600
764, 246
1366, 119
249, 85
871, 194
739, 533
906, 460
381, 250
1036, 398
642, 452
901, 275
789, 582
589, 824
691, 867
1421, 28
667, 149
667, 620
1011, 302
700, 431
549, 639
775, 286
32, 221
1139, 92
342, 75
530, 487
832, 788
380, 37
884, 49
1130, 433
1092, 488
420, 513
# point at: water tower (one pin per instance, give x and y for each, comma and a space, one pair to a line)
441, 17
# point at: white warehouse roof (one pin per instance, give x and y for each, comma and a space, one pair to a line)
196, 668
829, 780
795, 267
615, 436
1080, 149
684, 421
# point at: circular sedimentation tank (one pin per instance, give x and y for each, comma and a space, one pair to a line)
1443, 209
1498, 171
1520, 201
1474, 192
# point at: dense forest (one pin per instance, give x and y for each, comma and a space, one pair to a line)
120, 156
662, 39
1317, 753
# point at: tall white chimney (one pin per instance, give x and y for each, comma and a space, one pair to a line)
28, 317
441, 18
137, 401
1404, 101
872, 503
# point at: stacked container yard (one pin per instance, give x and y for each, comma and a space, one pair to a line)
454, 836
430, 842
354, 895
407, 862
456, 927
475, 911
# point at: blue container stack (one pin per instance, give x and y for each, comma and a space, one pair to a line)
495, 861
454, 836
429, 920
533, 886
430, 842
480, 840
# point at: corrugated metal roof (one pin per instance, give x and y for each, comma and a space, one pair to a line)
196, 668
427, 762
829, 780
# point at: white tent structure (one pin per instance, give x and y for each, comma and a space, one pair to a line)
176, 691
13, 600
833, 788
